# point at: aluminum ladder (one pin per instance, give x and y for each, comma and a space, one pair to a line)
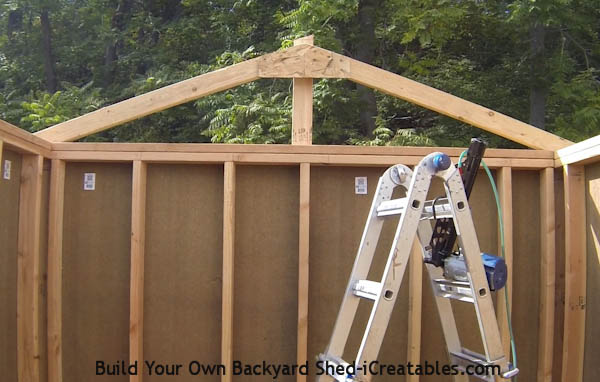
415, 215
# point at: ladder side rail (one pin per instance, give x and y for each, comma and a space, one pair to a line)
396, 263
467, 237
444, 305
362, 263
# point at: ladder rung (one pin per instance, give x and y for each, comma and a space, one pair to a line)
367, 289
470, 358
332, 362
457, 290
391, 207
397, 206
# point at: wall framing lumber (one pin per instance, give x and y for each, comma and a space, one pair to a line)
547, 276
23, 141
29, 268
55, 242
504, 180
279, 159
575, 274
454, 107
228, 268
303, 267
138, 240
584, 152
294, 149
304, 60
152, 102
302, 105
415, 295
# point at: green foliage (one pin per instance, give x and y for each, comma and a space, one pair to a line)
260, 119
106, 51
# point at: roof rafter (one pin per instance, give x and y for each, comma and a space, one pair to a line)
305, 61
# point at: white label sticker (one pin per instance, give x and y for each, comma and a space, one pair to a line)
6, 172
360, 185
89, 181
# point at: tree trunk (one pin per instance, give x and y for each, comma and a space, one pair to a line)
49, 69
366, 53
538, 90
118, 23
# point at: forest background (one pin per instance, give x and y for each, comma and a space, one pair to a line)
535, 60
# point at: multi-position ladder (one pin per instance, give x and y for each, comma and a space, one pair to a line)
416, 214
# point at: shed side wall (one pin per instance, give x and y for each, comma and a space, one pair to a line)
96, 270
9, 224
591, 368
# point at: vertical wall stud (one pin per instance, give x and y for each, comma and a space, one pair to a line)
28, 269
55, 252
575, 274
138, 238
547, 276
303, 266
228, 262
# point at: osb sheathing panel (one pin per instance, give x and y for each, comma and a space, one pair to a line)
183, 263
591, 369
266, 266
9, 223
96, 263
526, 270
337, 219
559, 296
43, 312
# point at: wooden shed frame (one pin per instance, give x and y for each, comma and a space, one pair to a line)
302, 63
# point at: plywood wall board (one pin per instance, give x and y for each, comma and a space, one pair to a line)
266, 266
559, 296
9, 216
526, 270
96, 269
591, 369
183, 262
485, 217
337, 220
